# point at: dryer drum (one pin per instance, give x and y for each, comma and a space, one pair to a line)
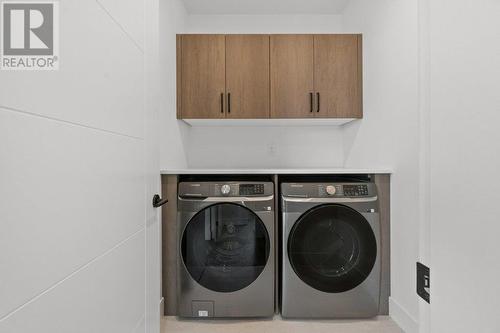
332, 248
225, 247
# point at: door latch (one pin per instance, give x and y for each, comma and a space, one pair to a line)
158, 201
423, 282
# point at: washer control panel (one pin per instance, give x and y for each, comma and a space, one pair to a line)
251, 189
225, 189
246, 189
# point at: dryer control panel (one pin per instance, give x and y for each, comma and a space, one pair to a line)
329, 190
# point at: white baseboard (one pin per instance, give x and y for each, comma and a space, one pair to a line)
402, 317
162, 307
162, 314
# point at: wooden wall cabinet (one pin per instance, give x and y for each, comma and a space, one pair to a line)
203, 76
292, 76
269, 76
337, 76
222, 76
247, 76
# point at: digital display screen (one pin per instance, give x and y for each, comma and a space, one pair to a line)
251, 189
355, 190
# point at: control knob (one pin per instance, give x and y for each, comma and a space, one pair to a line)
330, 190
225, 189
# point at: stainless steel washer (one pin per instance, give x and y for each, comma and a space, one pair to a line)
226, 255
331, 250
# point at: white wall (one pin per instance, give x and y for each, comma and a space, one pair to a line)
262, 23
72, 194
264, 7
268, 147
173, 136
389, 133
465, 160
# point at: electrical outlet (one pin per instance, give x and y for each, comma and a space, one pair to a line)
271, 149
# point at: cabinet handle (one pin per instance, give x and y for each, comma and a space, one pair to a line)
311, 101
221, 102
317, 95
228, 102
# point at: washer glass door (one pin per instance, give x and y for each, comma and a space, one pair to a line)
225, 247
332, 248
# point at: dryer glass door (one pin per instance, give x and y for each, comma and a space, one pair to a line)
225, 247
332, 248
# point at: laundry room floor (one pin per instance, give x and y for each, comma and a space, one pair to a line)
381, 324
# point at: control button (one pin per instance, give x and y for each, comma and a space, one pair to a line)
330, 190
251, 189
356, 190
225, 189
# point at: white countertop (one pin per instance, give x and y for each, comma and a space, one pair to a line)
274, 171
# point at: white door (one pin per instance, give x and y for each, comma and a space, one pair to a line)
464, 166
79, 240
152, 163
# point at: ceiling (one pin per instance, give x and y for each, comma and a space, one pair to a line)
263, 7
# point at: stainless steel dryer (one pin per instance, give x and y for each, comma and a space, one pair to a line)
331, 250
226, 257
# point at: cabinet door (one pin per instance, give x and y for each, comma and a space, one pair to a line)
337, 76
202, 76
247, 76
291, 76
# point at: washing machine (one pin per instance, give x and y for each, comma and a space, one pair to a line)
331, 250
226, 249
